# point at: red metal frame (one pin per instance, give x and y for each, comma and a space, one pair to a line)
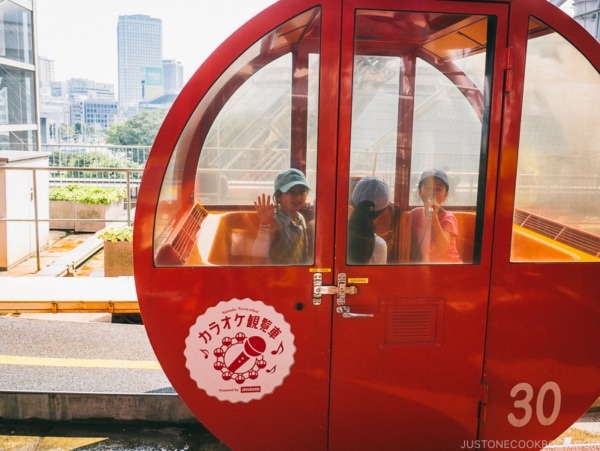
516, 330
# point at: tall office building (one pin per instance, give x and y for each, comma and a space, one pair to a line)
139, 40
172, 76
45, 70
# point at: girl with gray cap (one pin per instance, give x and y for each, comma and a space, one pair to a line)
370, 198
282, 233
434, 230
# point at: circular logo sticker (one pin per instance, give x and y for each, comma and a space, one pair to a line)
239, 350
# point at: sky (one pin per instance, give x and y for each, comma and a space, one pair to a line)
81, 35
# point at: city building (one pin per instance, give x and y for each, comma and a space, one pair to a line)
163, 102
152, 83
172, 76
162, 96
77, 87
91, 103
139, 40
77, 100
45, 70
145, 82
96, 113
18, 118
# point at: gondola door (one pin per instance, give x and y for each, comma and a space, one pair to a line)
408, 332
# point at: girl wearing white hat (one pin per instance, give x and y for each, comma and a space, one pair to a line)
370, 198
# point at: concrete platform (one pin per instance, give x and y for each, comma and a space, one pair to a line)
68, 294
67, 253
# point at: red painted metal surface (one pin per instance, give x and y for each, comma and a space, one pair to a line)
502, 351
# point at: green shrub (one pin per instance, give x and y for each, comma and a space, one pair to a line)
116, 233
85, 194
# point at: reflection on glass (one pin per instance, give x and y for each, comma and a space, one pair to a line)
434, 230
258, 119
418, 103
282, 236
370, 198
16, 90
15, 32
557, 215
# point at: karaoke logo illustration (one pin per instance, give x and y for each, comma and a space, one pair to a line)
239, 350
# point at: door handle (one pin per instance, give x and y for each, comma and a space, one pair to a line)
341, 290
346, 313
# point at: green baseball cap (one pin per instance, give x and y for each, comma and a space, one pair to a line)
289, 178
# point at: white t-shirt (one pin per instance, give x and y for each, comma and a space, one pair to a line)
379, 256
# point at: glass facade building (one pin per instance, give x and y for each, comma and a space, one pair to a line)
172, 76
18, 118
139, 49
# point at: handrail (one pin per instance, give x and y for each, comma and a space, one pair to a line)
57, 169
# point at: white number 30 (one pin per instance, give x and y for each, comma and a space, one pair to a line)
523, 394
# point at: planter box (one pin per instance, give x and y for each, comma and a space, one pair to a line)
118, 258
62, 209
64, 213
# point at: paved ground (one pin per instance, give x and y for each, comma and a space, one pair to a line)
60, 242
115, 436
88, 357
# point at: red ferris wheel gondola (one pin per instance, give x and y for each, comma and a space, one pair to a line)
412, 350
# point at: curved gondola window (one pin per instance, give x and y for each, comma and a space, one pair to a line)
257, 119
557, 213
419, 102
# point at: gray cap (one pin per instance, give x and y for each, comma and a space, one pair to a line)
373, 189
289, 178
438, 174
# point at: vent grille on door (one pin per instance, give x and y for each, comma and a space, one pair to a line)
411, 323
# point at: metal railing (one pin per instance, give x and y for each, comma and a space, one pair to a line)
122, 166
36, 219
120, 156
125, 170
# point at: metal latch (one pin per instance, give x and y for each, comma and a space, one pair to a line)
341, 290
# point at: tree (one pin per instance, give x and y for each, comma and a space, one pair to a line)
140, 130
65, 133
84, 158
